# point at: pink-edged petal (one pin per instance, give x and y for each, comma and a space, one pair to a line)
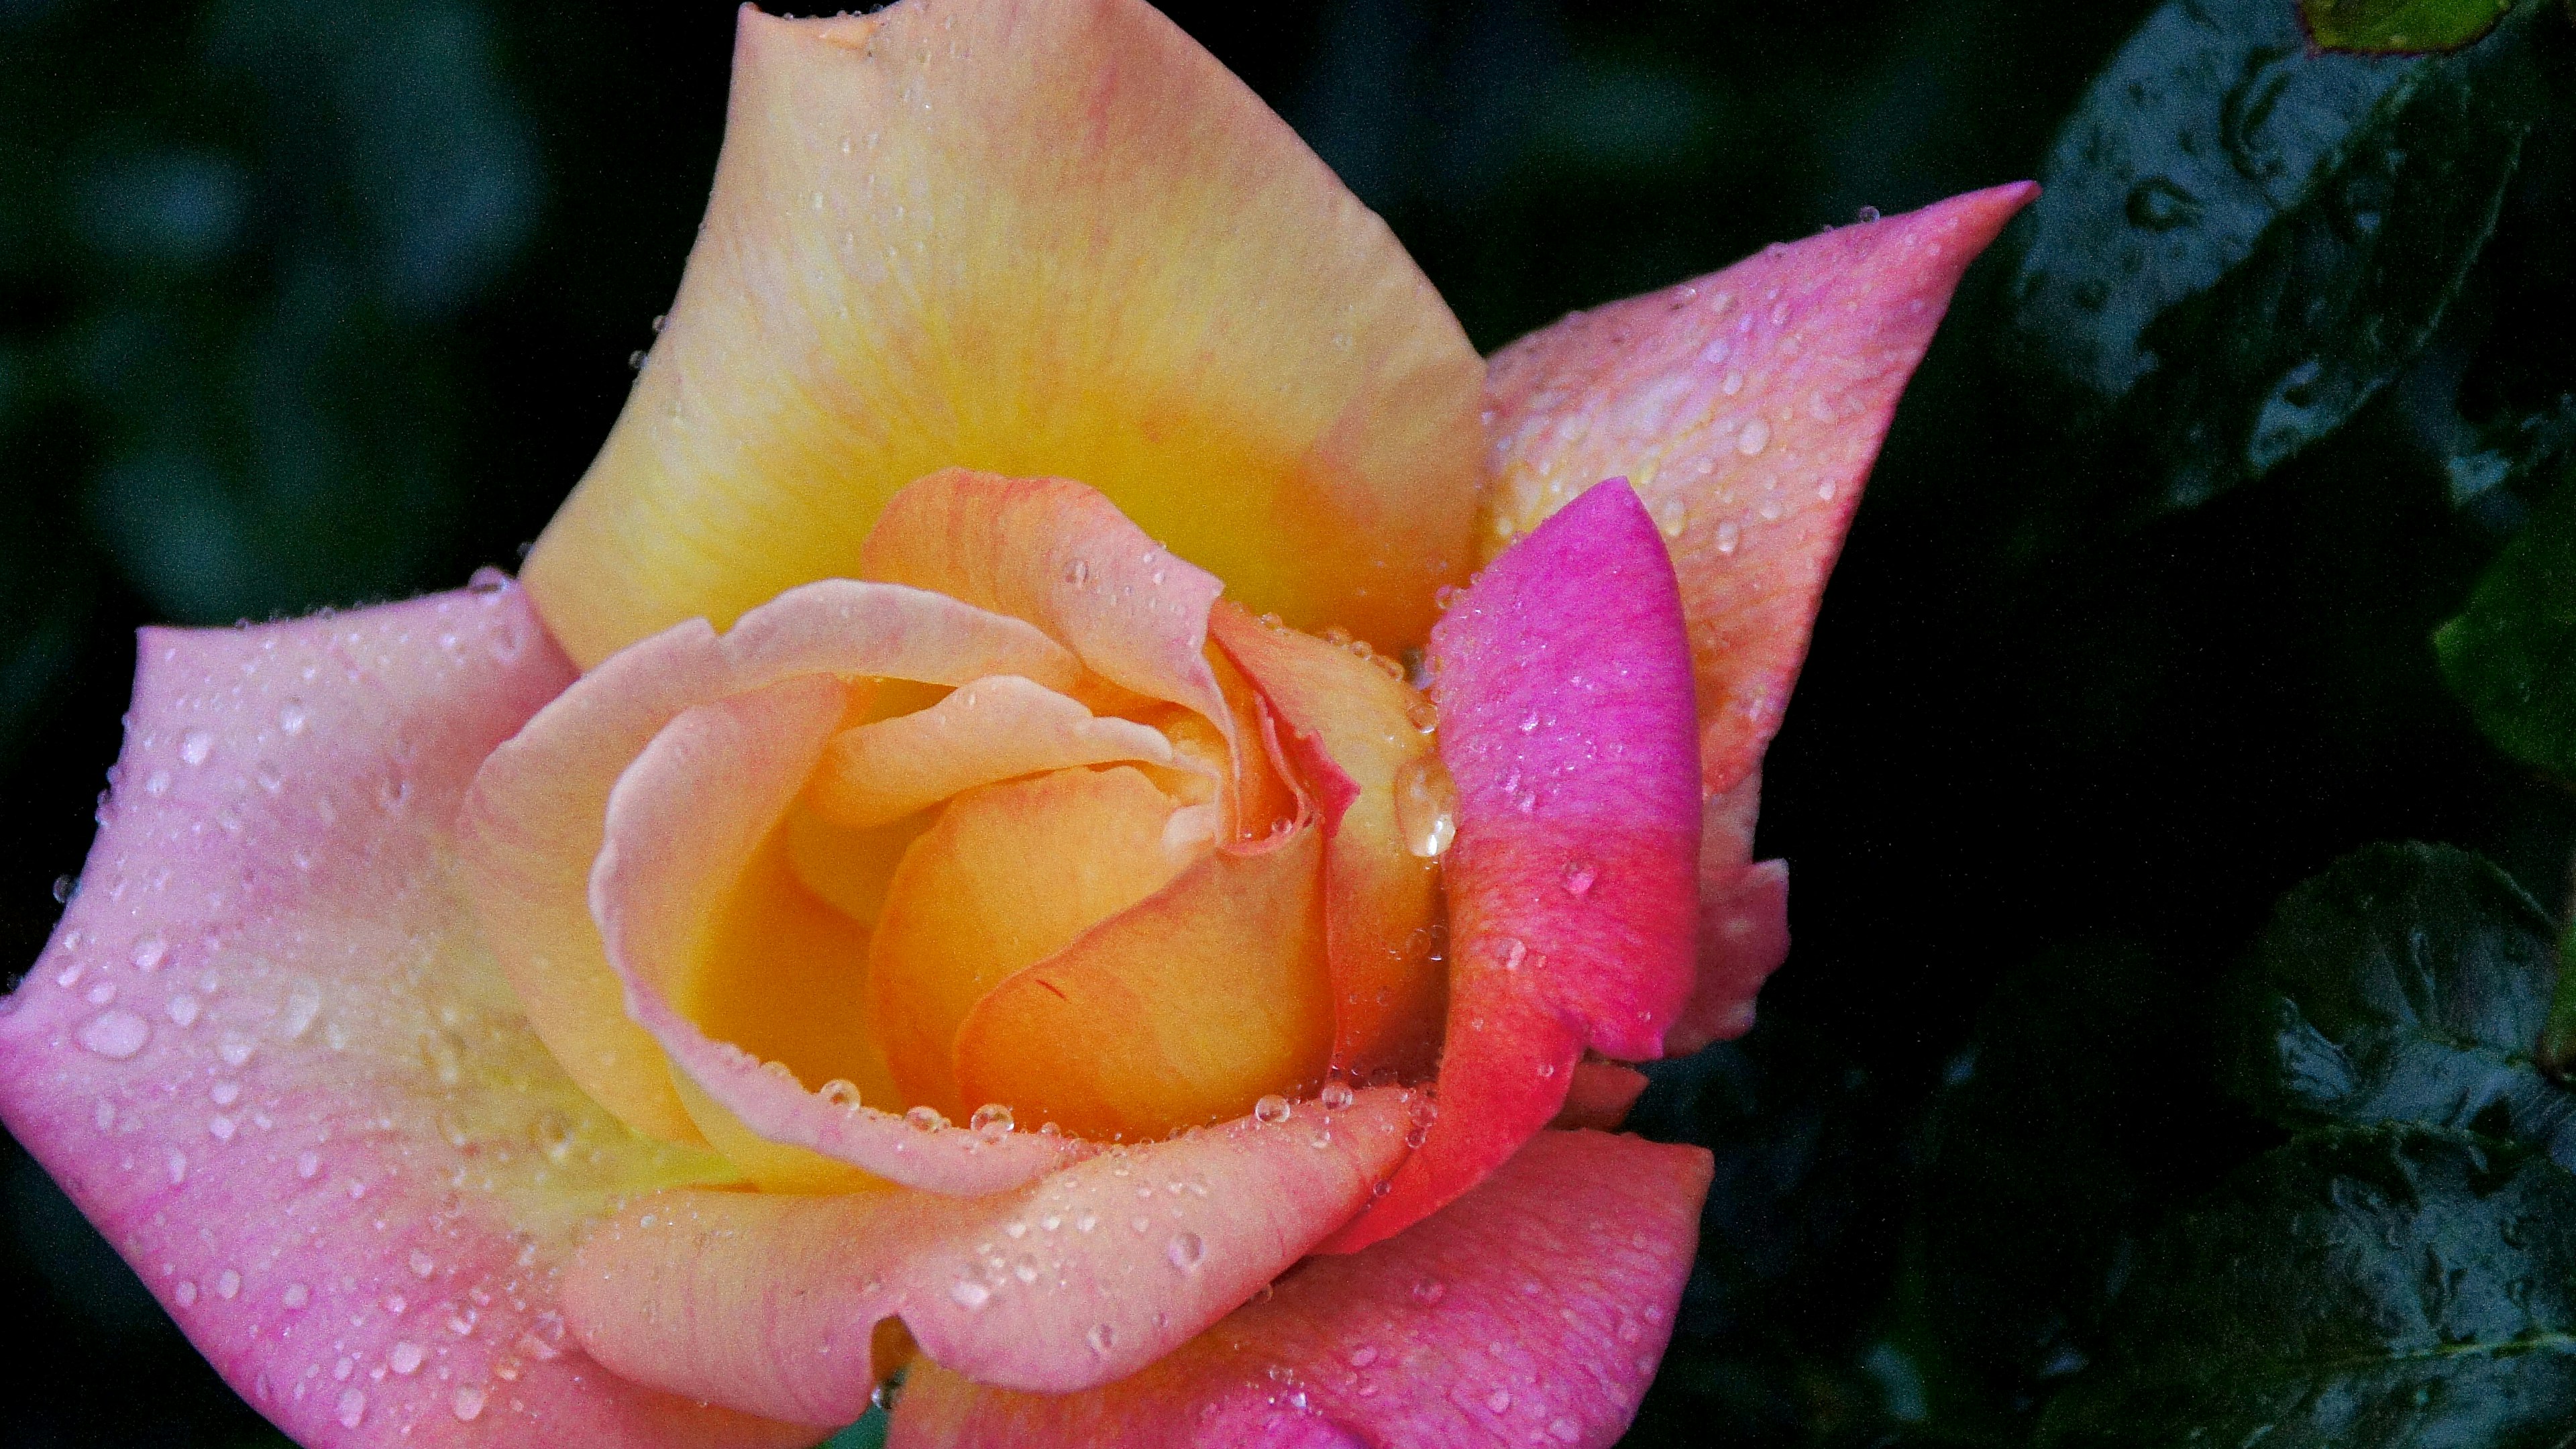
267, 1054
1600, 1097
990, 730
683, 824
1743, 938
1532, 1311
1088, 1275
1060, 555
1564, 690
1746, 409
530, 828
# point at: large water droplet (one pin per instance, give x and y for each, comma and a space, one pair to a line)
467, 1403
924, 1119
115, 1035
969, 1293
841, 1093
290, 717
1272, 1109
1426, 807
1102, 1338
1755, 437
1336, 1095
1187, 1251
992, 1121
148, 953
353, 1409
195, 745
406, 1357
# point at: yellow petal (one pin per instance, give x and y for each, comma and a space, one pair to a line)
1034, 237
1179, 1012
1008, 876
990, 730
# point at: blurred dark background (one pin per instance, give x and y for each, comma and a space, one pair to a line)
308, 303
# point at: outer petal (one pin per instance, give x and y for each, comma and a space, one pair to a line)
1380, 900
1531, 1311
1034, 237
266, 1053
761, 1299
685, 822
1746, 409
531, 827
1565, 708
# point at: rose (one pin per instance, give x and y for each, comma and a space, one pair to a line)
411, 1032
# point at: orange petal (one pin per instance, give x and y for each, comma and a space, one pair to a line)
1179, 1011
772, 1303
1381, 900
1008, 876
688, 823
990, 730
1531, 1311
268, 1056
1746, 409
531, 826
1034, 237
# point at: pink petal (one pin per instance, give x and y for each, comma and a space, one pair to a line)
682, 825
1745, 408
771, 1300
1532, 1311
1600, 1096
267, 1055
1565, 718
531, 827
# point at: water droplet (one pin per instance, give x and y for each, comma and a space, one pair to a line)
1578, 877
969, 1293
1499, 1400
883, 1396
353, 1409
1727, 535
422, 1265
115, 1035
290, 717
148, 953
1363, 1356
186, 1293
295, 1296
1272, 1109
195, 745
308, 1166
1672, 518
1866, 215
1077, 572
1428, 1291
303, 1004
1755, 437
1733, 384
840, 1092
405, 1357
925, 1119
467, 1402
992, 1122
1187, 1251
1426, 807
1336, 1095
1102, 1338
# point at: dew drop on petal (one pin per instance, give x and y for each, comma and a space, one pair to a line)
115, 1035
353, 1409
1272, 1110
1755, 437
841, 1093
992, 1121
1336, 1095
1102, 1338
467, 1403
925, 1119
1187, 1251
195, 746
1426, 807
405, 1358
969, 1293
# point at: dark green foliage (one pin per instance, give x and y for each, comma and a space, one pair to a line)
2408, 983
2511, 654
2362, 1288
2400, 25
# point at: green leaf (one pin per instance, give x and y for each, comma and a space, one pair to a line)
2510, 656
2407, 983
2360, 1287
868, 1433
2400, 25
2244, 238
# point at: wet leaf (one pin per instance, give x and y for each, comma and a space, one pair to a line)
2360, 1287
2400, 25
2245, 238
2510, 656
2407, 983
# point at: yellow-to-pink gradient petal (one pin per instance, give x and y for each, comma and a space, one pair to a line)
988, 731
1746, 409
1009, 876
269, 1055
772, 1303
1531, 1311
1381, 893
532, 825
688, 822
1034, 237
1182, 1010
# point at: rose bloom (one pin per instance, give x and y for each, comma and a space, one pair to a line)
998, 832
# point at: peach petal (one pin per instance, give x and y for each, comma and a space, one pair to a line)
1009, 876
1183, 1009
773, 1301
1743, 938
530, 828
267, 1054
1035, 237
1380, 899
1746, 409
986, 731
683, 824
1563, 680
1531, 1311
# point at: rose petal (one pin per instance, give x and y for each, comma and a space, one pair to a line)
1036, 237
1743, 938
774, 1301
1533, 1310
530, 829
1009, 876
1381, 899
1182, 1010
267, 1055
1600, 1096
1563, 681
686, 820
1745, 408
989, 730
